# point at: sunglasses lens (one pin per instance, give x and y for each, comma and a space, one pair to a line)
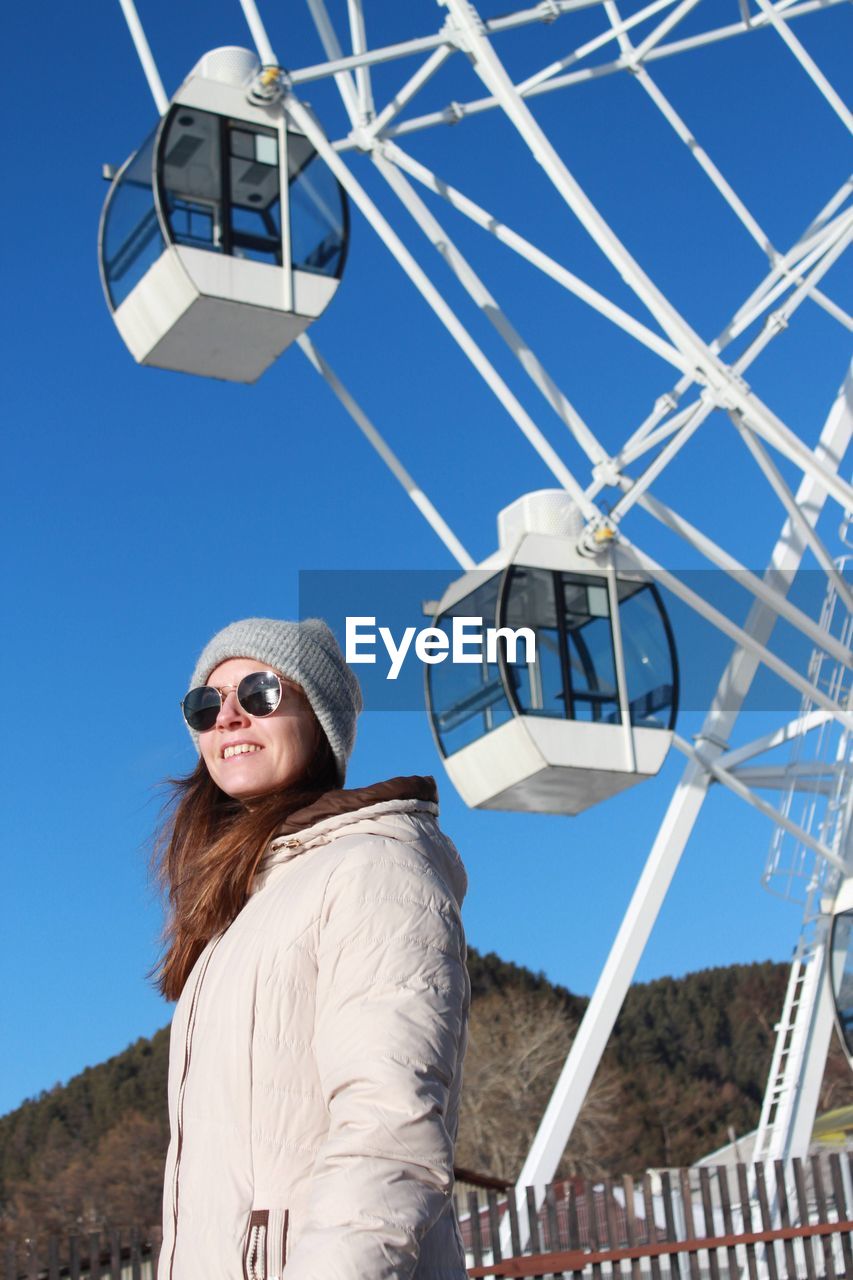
201, 707
259, 693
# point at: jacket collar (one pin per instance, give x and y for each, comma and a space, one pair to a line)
362, 808
336, 803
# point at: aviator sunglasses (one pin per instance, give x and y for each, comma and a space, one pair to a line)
258, 693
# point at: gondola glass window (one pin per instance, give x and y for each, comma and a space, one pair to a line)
235, 207
575, 672
317, 229
132, 241
648, 647
467, 699
229, 208
842, 974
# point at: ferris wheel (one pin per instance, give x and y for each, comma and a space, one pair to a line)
223, 240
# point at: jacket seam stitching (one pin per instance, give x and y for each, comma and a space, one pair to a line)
446, 912
290, 1041
409, 938
272, 1087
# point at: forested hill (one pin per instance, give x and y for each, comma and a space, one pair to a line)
687, 1062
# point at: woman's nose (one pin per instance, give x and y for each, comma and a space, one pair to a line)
231, 714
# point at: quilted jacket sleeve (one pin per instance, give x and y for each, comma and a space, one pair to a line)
392, 1003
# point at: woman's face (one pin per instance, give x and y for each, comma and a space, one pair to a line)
281, 745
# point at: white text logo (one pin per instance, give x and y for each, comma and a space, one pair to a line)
468, 642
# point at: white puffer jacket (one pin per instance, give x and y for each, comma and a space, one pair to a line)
316, 1058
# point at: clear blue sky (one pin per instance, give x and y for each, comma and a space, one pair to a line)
138, 520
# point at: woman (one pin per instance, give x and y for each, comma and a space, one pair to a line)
316, 951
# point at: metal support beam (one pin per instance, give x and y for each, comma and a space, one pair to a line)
705, 405
740, 635
457, 111
777, 483
386, 453
769, 741
259, 34
306, 122
547, 265
814, 241
490, 308
739, 788
729, 391
748, 580
363, 85
146, 58
409, 90
591, 46
343, 79
809, 65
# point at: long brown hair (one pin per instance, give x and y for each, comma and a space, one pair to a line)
206, 852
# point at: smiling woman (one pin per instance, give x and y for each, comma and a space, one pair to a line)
315, 946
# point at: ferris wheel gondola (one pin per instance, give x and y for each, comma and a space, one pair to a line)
841, 964
224, 236
588, 713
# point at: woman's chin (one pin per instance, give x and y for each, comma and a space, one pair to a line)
246, 784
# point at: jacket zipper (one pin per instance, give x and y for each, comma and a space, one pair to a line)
188, 1044
265, 1252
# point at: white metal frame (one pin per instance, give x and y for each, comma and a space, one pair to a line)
793, 277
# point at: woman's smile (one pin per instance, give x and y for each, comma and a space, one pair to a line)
239, 748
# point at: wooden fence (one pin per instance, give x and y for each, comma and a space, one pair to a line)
115, 1255
725, 1223
735, 1223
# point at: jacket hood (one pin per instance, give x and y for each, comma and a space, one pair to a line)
388, 809
338, 803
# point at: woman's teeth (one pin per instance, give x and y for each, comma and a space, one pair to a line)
241, 749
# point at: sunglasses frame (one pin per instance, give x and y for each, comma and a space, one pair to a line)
224, 689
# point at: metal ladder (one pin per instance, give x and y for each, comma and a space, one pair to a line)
804, 1029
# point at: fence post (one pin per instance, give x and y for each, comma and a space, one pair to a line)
820, 1198
73, 1258
94, 1255
841, 1208
631, 1232
651, 1224
726, 1208
809, 1245
766, 1220
476, 1235
554, 1241
595, 1237
533, 1219
613, 1233
689, 1225
708, 1219
785, 1218
669, 1217
53, 1258
513, 1223
494, 1226
746, 1219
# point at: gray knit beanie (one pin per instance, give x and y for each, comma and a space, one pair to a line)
307, 653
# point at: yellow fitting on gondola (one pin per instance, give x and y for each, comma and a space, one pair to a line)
269, 75
603, 534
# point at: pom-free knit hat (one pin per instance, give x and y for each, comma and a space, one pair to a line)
307, 653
